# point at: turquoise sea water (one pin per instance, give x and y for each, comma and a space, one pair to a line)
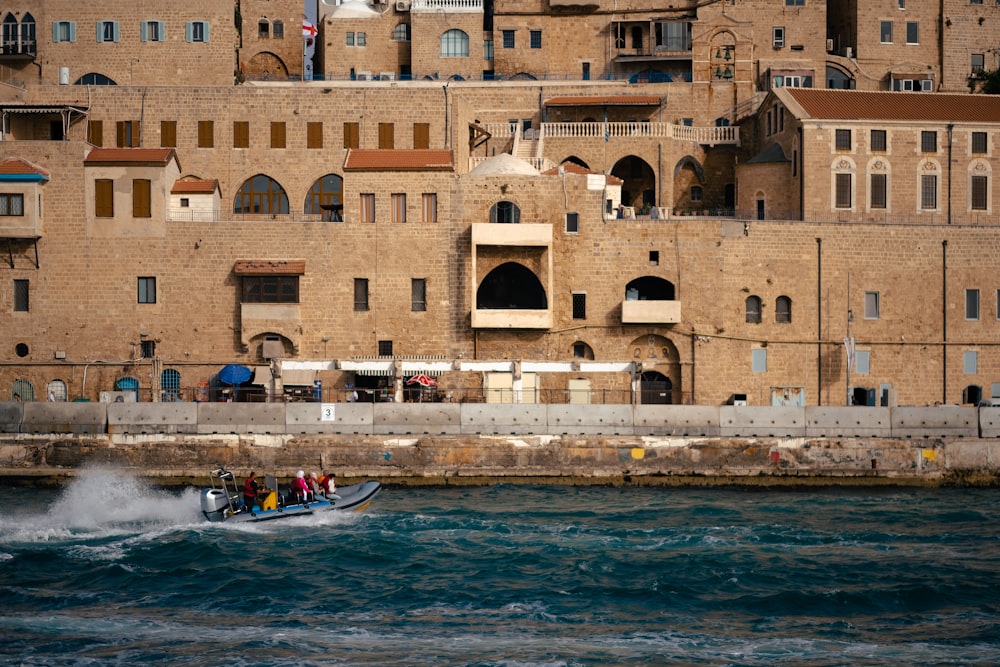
109, 572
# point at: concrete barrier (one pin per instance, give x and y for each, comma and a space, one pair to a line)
332, 418
989, 422
10, 416
943, 421
848, 422
419, 418
566, 419
81, 418
762, 422
241, 418
505, 419
680, 420
152, 417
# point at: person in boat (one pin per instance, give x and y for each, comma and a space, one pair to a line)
300, 489
329, 485
314, 487
250, 489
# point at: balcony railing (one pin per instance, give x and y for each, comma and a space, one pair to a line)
446, 5
710, 136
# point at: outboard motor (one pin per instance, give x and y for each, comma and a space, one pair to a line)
214, 504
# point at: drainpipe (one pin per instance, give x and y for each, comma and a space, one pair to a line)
944, 321
819, 321
951, 127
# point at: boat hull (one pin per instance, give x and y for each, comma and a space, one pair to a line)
353, 498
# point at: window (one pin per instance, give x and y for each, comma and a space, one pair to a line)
912, 32
398, 201
261, 194
11, 203
326, 197
972, 304
147, 290
349, 39
107, 31
57, 391
168, 134
196, 31
314, 135
696, 193
878, 141
507, 38
579, 306
928, 192
127, 133
862, 362
64, 31
535, 39
979, 143
385, 348
141, 191
654, 257
95, 132
878, 191
977, 63
418, 295
843, 140
361, 39
758, 361
20, 296
360, 294
263, 29
928, 141
151, 31
277, 134
487, 49
386, 135
885, 32
998, 314
170, 385
104, 202
401, 33
753, 304
270, 289
980, 193
352, 135
970, 362
366, 210
505, 212
278, 30
454, 44
795, 3
241, 134
778, 37
783, 310
421, 135
579, 350
430, 207
206, 133
572, 223
843, 191
871, 306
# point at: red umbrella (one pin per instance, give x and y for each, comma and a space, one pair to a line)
423, 380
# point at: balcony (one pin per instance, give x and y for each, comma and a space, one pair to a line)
512, 318
515, 293
448, 6
651, 312
260, 318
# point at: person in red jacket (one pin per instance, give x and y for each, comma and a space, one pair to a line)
300, 488
250, 489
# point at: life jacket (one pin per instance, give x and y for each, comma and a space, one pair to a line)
250, 488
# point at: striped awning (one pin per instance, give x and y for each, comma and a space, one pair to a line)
433, 366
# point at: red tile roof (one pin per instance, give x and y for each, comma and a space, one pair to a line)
419, 159
604, 101
884, 105
130, 155
266, 267
17, 166
194, 186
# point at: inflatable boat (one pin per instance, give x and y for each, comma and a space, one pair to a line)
224, 500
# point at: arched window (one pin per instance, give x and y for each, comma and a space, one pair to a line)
278, 29
454, 44
505, 212
22, 391
170, 385
10, 35
401, 33
261, 194
753, 309
128, 383
28, 42
783, 310
95, 79
57, 391
326, 196
263, 29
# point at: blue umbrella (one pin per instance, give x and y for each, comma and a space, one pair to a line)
234, 374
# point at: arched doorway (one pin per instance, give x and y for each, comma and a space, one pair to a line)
638, 181
656, 389
659, 381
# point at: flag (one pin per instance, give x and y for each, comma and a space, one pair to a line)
309, 32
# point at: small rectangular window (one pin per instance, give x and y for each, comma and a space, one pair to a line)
508, 38
430, 207
127, 132
980, 193
535, 39
928, 192
168, 134
654, 257
352, 135
314, 135
970, 362
871, 306
349, 41
107, 31
928, 141
104, 198
21, 296
572, 223
196, 31
11, 203
64, 31
862, 362
151, 31
398, 201
270, 289
843, 191
879, 194
366, 212
843, 140
972, 304
418, 294
979, 143
579, 306
878, 141
758, 361
885, 32
977, 63
277, 134
385, 348
912, 32
206, 134
141, 198
147, 290
241, 134
778, 37
362, 39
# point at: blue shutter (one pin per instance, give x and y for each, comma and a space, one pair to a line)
117, 31
205, 24
143, 30
72, 31
100, 31
189, 31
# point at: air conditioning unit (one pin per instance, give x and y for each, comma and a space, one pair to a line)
848, 52
829, 45
387, 76
363, 76
402, 6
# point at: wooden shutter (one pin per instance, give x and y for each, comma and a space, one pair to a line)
206, 134
385, 135
352, 135
95, 132
421, 135
104, 198
141, 198
168, 134
277, 134
241, 134
314, 135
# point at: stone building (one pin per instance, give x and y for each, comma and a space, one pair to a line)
560, 203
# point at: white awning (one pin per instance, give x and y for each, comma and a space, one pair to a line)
298, 378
